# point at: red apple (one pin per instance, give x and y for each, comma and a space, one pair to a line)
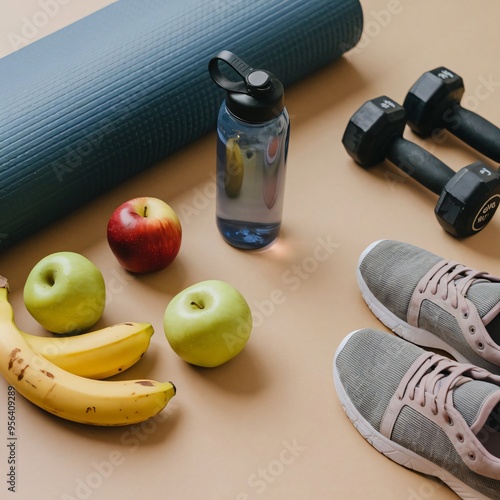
144, 234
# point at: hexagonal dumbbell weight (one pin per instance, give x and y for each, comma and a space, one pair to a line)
467, 198
433, 104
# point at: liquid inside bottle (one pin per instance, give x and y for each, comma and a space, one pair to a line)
251, 168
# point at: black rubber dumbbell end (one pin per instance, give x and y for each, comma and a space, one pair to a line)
371, 130
431, 96
469, 200
433, 104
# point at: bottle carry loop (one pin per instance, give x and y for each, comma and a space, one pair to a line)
256, 82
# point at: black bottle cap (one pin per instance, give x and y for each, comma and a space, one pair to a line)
257, 97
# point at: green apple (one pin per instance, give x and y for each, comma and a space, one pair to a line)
208, 323
65, 293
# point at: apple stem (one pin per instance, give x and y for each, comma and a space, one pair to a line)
145, 211
195, 304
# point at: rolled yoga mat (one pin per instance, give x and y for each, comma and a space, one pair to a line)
108, 96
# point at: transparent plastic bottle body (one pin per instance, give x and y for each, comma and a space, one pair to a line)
251, 170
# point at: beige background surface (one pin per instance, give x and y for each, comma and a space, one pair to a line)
268, 424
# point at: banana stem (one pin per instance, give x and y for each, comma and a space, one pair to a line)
4, 289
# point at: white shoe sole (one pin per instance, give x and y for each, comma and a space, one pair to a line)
404, 330
391, 449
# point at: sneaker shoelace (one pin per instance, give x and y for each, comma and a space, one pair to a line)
451, 279
433, 374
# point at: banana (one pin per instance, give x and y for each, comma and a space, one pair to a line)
98, 354
70, 396
235, 168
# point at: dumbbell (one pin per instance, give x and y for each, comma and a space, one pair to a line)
467, 198
433, 104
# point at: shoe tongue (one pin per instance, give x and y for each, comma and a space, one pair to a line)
485, 295
475, 400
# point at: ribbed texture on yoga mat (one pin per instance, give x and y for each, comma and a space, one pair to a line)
101, 100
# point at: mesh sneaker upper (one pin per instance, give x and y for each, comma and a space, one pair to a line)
392, 270
485, 296
371, 366
468, 398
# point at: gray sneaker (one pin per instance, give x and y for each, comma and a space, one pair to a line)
433, 302
423, 410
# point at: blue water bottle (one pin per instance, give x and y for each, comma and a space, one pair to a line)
253, 130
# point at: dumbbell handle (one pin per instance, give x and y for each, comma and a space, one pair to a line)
419, 164
474, 130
